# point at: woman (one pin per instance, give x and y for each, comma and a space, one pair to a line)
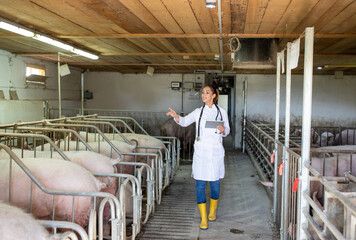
208, 158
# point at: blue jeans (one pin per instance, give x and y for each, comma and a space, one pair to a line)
200, 190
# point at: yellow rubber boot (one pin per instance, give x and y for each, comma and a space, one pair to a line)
212, 211
204, 218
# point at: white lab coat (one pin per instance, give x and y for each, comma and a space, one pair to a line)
209, 153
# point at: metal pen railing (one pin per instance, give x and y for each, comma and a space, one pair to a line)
116, 209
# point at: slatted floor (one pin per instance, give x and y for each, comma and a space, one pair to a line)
244, 210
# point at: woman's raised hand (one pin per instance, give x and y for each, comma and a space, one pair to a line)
173, 114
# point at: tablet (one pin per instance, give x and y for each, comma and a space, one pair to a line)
213, 124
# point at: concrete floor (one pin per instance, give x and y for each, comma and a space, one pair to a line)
244, 209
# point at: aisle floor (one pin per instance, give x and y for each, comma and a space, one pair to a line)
244, 209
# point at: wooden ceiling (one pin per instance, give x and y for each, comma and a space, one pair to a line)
178, 36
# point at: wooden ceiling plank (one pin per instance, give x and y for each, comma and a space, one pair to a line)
343, 22
273, 15
91, 17
332, 12
146, 45
341, 46
314, 15
238, 16
144, 15
214, 44
116, 12
226, 16
294, 14
255, 12
77, 13
170, 45
160, 12
183, 15
29, 14
204, 44
203, 16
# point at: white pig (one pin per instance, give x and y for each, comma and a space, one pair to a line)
15, 224
56, 175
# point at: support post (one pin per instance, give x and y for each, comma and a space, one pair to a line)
59, 87
82, 93
244, 116
306, 130
276, 214
285, 186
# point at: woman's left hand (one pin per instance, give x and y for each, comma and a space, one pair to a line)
221, 129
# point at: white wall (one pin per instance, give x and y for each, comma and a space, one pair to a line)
334, 100
141, 91
12, 76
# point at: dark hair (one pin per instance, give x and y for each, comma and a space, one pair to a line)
215, 91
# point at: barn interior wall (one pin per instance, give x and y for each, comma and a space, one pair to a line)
12, 77
333, 100
142, 92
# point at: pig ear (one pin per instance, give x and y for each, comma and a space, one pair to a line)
58, 143
26, 146
115, 161
136, 144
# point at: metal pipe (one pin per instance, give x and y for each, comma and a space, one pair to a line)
220, 38
244, 119
276, 137
82, 92
285, 192
59, 86
306, 130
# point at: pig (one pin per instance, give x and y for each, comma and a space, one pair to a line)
105, 148
93, 162
56, 175
347, 137
336, 164
186, 135
326, 139
16, 224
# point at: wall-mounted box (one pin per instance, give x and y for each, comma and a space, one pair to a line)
176, 85
198, 85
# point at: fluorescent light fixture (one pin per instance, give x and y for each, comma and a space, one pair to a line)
319, 68
26, 33
210, 3
53, 42
84, 54
15, 29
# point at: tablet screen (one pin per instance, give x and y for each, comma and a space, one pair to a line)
213, 124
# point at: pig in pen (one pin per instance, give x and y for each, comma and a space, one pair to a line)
104, 169
40, 186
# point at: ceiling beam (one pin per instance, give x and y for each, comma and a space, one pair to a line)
165, 54
192, 35
142, 64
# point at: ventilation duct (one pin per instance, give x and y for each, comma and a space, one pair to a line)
256, 53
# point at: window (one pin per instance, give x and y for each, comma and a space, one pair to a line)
35, 70
35, 75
